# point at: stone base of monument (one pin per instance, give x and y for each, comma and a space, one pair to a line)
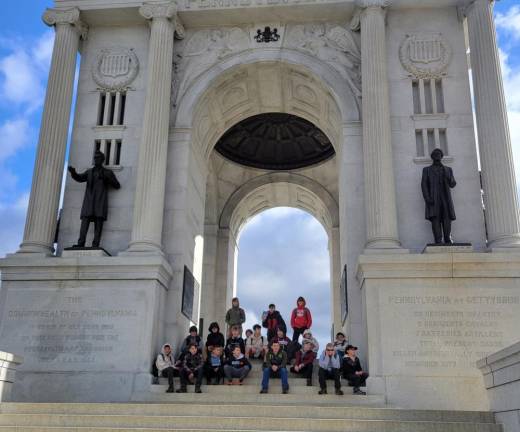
430, 317
74, 252
448, 248
88, 327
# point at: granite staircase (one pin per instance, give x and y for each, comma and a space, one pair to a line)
239, 408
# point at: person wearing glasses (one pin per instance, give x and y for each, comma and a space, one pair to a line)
330, 368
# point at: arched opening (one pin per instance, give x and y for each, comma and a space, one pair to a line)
284, 253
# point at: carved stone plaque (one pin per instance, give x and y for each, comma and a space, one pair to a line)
115, 68
425, 55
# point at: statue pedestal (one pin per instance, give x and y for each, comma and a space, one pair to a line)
430, 317
88, 327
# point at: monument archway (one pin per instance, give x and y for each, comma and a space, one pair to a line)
259, 194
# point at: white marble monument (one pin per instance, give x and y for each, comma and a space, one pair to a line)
208, 117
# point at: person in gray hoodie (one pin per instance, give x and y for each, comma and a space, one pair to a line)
165, 364
330, 368
235, 317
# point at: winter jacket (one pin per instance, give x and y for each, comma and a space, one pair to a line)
350, 367
256, 342
215, 339
192, 361
164, 361
239, 362
284, 342
301, 317
324, 361
189, 340
209, 361
230, 344
313, 341
279, 359
274, 321
305, 357
235, 316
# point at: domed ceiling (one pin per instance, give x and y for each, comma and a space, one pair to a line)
275, 141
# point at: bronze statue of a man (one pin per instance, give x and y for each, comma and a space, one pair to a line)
437, 180
95, 201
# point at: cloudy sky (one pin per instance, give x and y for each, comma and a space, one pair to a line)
283, 252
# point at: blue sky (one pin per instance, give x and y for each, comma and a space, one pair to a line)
25, 50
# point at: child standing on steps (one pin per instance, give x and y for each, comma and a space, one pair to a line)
301, 319
235, 317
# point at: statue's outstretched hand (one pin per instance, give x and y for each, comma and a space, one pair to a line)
71, 169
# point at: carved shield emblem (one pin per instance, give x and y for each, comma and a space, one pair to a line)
115, 68
425, 55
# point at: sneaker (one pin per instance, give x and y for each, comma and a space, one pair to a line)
198, 390
169, 390
359, 392
263, 391
241, 381
155, 380
229, 382
309, 383
339, 392
182, 390
285, 391
322, 391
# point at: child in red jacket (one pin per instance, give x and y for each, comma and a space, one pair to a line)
301, 319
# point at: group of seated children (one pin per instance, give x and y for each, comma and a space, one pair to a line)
228, 360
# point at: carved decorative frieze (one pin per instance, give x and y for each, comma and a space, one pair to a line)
372, 3
115, 68
333, 44
425, 55
53, 17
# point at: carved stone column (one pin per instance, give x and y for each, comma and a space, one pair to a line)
151, 172
42, 213
380, 203
496, 158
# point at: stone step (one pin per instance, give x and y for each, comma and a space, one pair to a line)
96, 429
275, 386
250, 410
274, 397
235, 422
257, 381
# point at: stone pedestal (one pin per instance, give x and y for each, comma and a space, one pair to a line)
88, 327
430, 317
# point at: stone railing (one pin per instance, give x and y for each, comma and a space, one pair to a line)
501, 372
8, 365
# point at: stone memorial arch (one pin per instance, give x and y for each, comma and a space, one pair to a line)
206, 116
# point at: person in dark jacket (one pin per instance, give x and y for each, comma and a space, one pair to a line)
235, 316
237, 366
95, 202
352, 370
330, 365
275, 366
437, 180
192, 369
234, 340
214, 365
192, 338
272, 321
301, 319
304, 362
215, 338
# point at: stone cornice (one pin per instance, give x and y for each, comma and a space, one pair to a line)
53, 17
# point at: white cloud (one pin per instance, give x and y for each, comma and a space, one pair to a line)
510, 21
12, 219
24, 71
14, 136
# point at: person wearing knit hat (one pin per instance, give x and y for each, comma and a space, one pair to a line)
308, 337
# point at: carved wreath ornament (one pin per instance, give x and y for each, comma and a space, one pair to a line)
425, 56
115, 68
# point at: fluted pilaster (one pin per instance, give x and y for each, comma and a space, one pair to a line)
42, 212
377, 140
496, 157
151, 172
